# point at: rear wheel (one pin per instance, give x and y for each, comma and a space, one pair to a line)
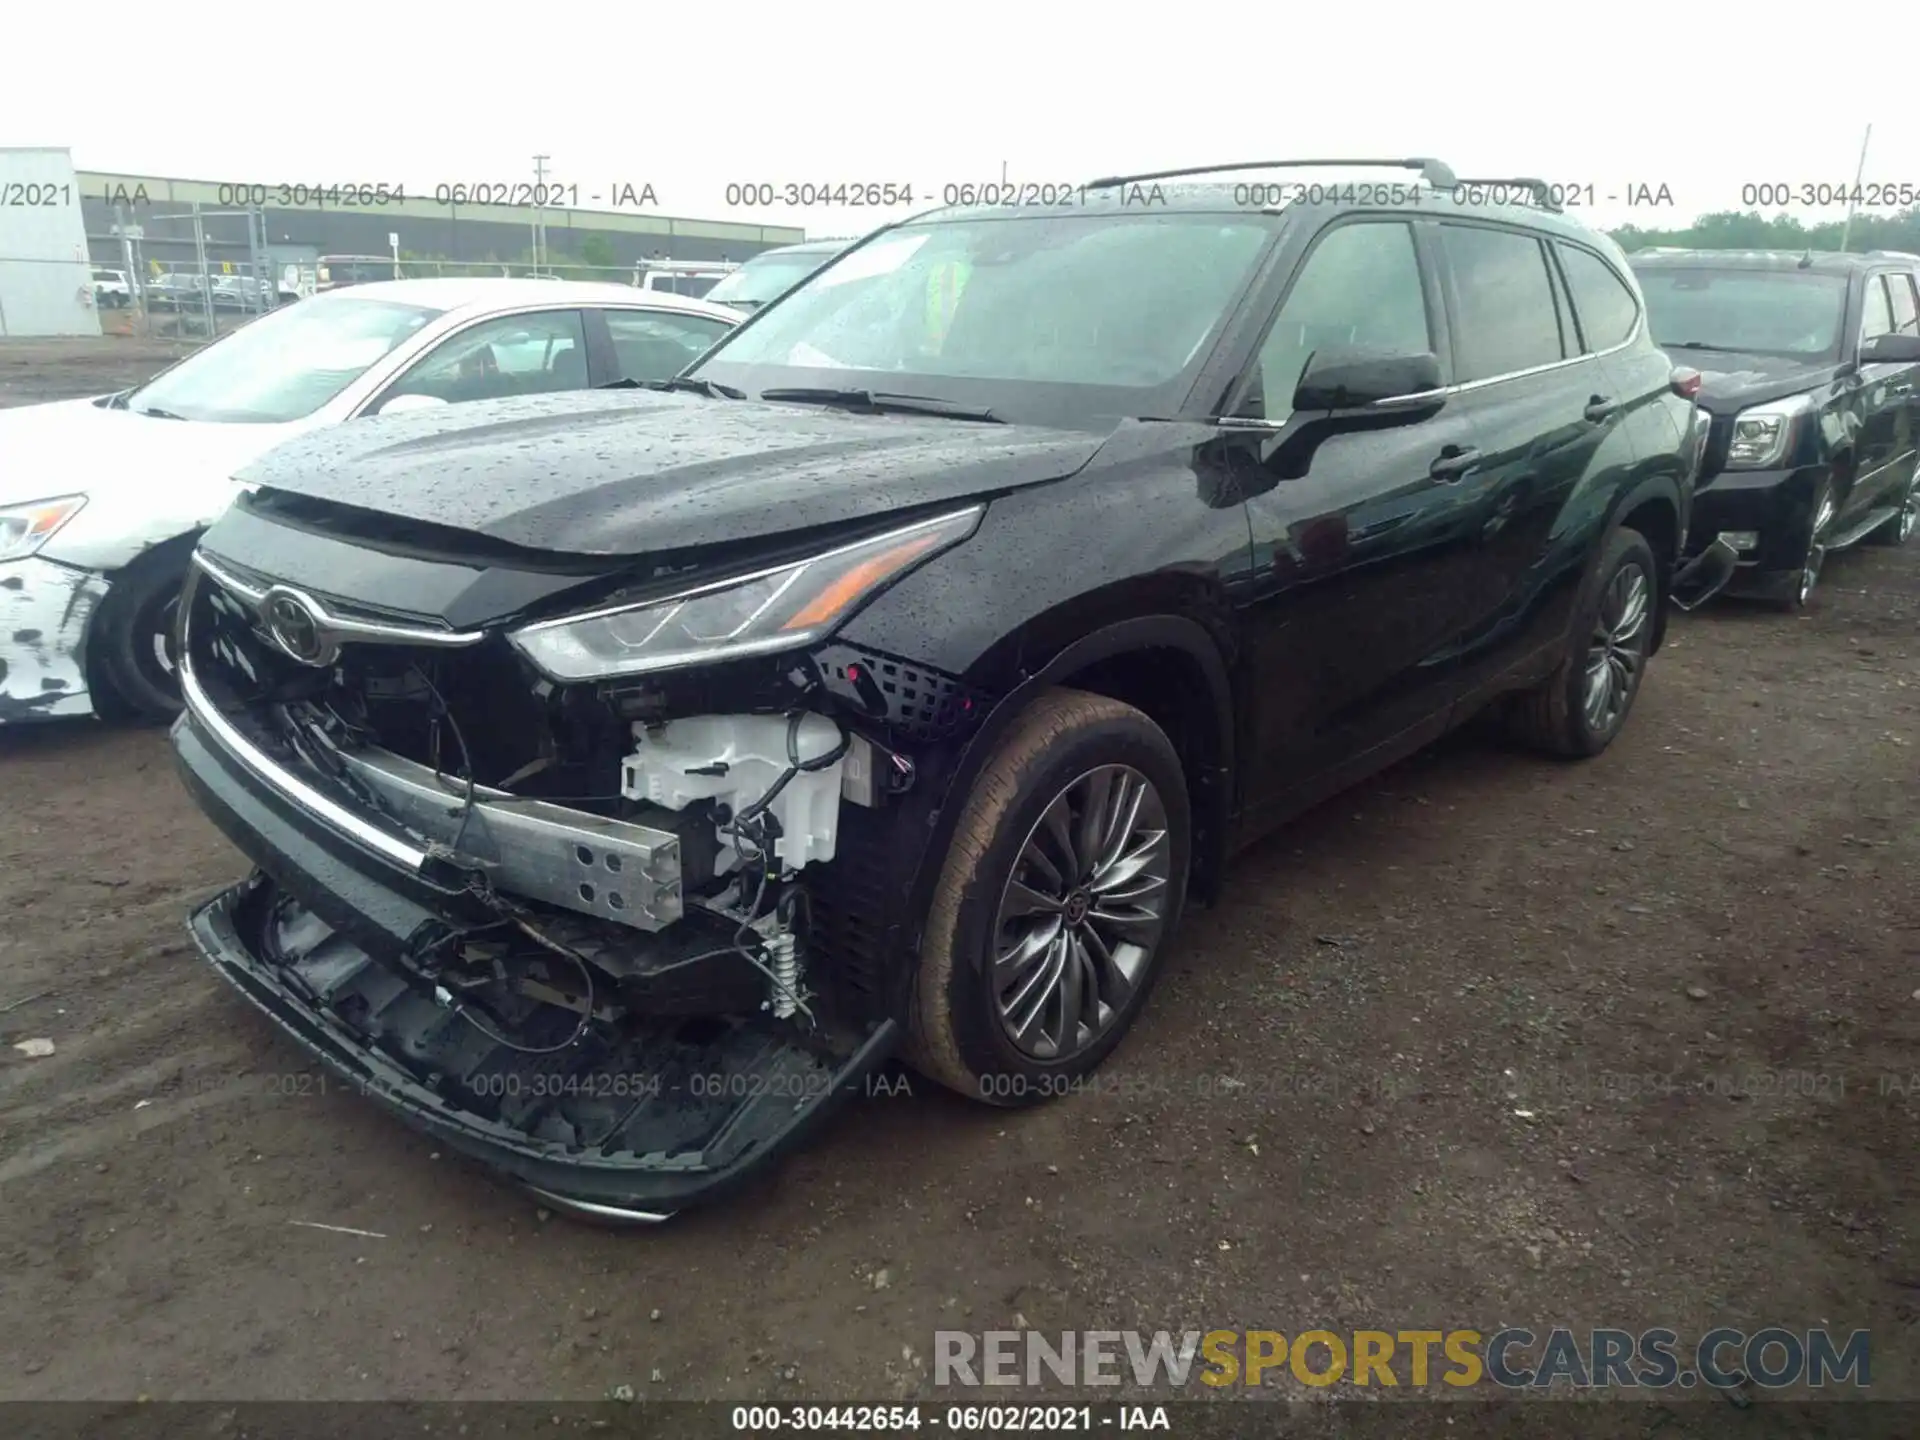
1906, 519
1578, 709
1064, 882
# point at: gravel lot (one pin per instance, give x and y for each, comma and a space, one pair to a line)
1692, 963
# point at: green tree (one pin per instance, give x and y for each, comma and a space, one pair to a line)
597, 250
1749, 230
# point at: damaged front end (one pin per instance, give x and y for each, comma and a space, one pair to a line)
550, 893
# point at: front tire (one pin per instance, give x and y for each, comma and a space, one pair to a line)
1062, 887
1577, 711
1801, 585
132, 640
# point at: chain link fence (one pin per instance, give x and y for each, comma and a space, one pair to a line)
196, 272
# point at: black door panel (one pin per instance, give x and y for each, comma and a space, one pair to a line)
1361, 572
1540, 448
1356, 585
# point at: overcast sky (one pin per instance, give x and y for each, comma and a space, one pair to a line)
688, 99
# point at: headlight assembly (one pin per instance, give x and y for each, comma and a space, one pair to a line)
25, 528
756, 614
1763, 435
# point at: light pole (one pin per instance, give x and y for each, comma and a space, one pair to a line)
1846, 230
539, 216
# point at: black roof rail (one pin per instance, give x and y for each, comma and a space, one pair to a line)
1432, 171
1541, 191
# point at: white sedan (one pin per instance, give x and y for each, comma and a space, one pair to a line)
101, 500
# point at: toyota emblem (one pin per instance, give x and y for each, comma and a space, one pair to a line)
296, 629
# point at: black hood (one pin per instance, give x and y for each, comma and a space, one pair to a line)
1733, 382
625, 472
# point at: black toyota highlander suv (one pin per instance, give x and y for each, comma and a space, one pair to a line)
1809, 364
630, 775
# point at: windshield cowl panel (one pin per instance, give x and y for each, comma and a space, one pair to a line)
285, 365
1074, 319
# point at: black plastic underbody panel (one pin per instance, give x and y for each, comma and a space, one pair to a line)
676, 1111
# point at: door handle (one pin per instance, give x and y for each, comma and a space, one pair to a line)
1452, 462
1599, 407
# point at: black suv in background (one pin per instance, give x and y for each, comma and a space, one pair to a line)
1809, 364
631, 774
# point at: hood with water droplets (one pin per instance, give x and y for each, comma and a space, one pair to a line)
630, 472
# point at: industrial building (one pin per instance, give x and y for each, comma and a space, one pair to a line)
305, 221
46, 284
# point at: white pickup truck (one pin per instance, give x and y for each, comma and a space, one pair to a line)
111, 289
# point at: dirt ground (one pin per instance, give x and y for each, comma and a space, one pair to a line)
1622, 1043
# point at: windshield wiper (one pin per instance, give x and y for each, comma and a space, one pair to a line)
712, 389
158, 414
1703, 345
883, 400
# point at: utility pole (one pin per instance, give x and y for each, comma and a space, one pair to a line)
539, 209
1846, 230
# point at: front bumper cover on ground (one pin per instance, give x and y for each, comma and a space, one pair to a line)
671, 1113
758, 1099
44, 610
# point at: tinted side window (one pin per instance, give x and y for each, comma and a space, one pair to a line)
658, 344
1360, 289
1906, 304
1507, 320
1878, 319
514, 355
1601, 298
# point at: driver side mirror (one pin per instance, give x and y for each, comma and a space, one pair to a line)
1341, 382
401, 404
1891, 350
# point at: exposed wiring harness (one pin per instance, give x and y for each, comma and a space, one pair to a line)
753, 832
444, 711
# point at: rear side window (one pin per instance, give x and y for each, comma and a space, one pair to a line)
1878, 319
1601, 299
1507, 319
658, 344
1906, 305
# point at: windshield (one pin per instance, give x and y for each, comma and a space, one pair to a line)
286, 364
766, 278
347, 270
1755, 312
1075, 317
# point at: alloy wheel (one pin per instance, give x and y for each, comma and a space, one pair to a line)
1082, 913
1618, 649
1816, 547
1909, 512
156, 657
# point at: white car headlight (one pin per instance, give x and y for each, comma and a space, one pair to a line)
25, 528
1763, 434
756, 614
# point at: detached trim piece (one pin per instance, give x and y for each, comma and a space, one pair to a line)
288, 785
616, 1214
